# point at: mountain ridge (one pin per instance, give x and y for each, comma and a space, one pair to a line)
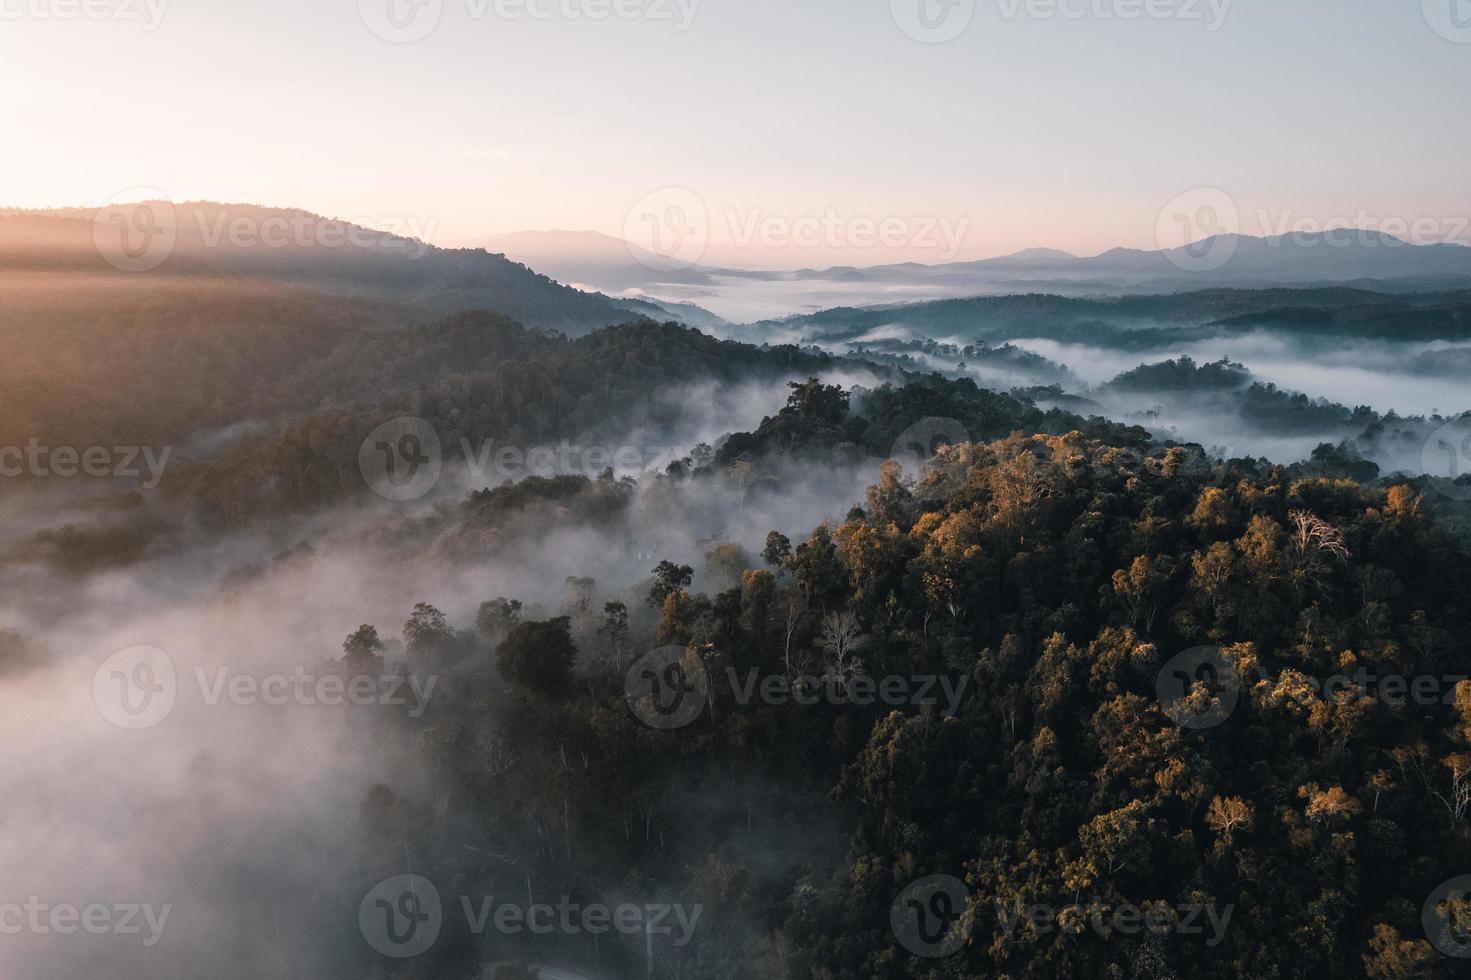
295, 247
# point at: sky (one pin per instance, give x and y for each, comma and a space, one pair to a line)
755, 133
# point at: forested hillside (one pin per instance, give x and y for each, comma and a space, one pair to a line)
1293, 827
473, 377
1311, 316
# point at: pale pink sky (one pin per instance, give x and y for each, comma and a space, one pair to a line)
1021, 131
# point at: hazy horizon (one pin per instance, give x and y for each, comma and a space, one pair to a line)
1065, 127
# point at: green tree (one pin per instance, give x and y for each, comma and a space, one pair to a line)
539, 656
362, 650
669, 578
427, 633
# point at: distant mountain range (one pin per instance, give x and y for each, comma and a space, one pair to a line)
1237, 260
1363, 259
590, 259
296, 248
576, 282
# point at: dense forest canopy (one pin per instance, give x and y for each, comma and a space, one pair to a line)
1266, 820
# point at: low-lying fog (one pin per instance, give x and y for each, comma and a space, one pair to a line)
1407, 379
207, 831
743, 299
1386, 377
